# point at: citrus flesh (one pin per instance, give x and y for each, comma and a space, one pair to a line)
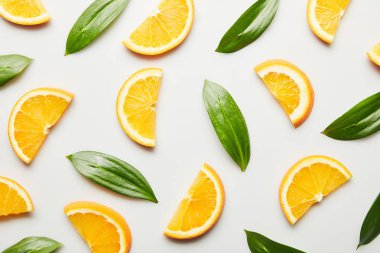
32, 117
324, 17
308, 182
164, 30
103, 229
290, 86
199, 211
14, 199
24, 12
136, 105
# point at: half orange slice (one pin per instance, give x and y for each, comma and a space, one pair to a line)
199, 211
24, 12
290, 86
324, 17
308, 182
374, 54
164, 30
32, 117
136, 105
103, 229
14, 199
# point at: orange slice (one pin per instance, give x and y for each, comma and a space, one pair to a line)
324, 17
374, 54
32, 117
14, 199
24, 12
200, 209
290, 86
164, 30
136, 105
308, 182
103, 229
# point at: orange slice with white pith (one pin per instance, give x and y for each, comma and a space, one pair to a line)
164, 30
374, 54
103, 229
32, 118
14, 199
308, 182
136, 105
290, 86
324, 17
24, 12
199, 211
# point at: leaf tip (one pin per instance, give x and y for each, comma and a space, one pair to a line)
243, 165
221, 49
68, 51
218, 50
359, 245
153, 198
243, 168
324, 132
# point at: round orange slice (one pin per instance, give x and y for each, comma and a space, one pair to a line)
136, 105
14, 199
199, 211
290, 86
32, 117
24, 12
103, 229
374, 54
324, 17
308, 182
164, 30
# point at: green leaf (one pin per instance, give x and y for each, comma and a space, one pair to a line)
359, 122
11, 66
371, 225
249, 27
113, 174
93, 21
260, 244
228, 122
34, 245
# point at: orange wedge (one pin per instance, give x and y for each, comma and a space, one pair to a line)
14, 199
24, 12
324, 17
32, 117
290, 86
199, 211
308, 182
103, 229
136, 105
164, 30
374, 54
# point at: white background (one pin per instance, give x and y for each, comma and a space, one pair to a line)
341, 75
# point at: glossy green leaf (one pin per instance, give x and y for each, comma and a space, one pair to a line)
371, 225
260, 244
11, 66
112, 173
34, 245
249, 27
228, 122
93, 21
359, 122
